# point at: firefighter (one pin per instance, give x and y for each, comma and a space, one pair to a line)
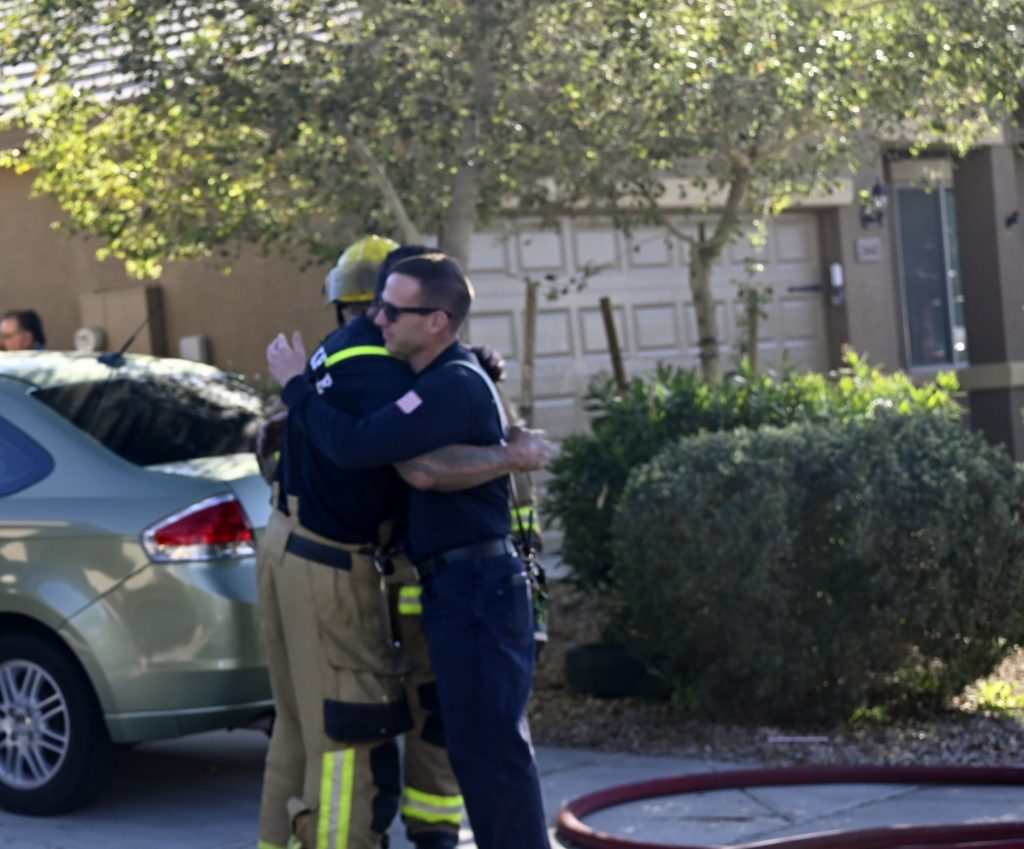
348, 664
477, 611
526, 528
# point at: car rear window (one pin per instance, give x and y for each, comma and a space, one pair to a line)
162, 418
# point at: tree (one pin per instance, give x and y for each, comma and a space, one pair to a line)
174, 129
743, 106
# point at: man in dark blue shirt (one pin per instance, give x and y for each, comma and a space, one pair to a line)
477, 610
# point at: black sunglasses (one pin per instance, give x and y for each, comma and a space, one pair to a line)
392, 313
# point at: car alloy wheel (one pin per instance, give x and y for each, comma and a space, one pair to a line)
55, 750
34, 725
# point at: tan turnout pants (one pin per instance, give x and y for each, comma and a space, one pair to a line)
431, 800
343, 690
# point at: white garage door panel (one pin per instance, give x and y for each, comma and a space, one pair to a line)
561, 415
800, 357
656, 327
596, 246
593, 338
649, 248
796, 242
800, 319
490, 252
541, 250
499, 331
554, 333
552, 377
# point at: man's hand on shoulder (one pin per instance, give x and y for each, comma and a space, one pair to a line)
528, 450
285, 360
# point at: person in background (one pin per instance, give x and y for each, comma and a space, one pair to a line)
21, 330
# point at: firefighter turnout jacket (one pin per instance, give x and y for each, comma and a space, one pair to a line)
354, 373
441, 409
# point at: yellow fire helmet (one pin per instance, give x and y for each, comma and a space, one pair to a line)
354, 278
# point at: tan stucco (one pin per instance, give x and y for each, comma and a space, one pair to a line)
49, 270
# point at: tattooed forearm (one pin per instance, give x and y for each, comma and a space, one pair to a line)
455, 467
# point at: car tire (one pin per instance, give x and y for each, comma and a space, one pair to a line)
55, 752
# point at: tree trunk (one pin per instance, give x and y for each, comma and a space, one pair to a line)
701, 258
753, 330
408, 231
752, 298
529, 351
704, 252
457, 228
457, 231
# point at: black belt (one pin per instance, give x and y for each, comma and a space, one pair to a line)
318, 552
478, 551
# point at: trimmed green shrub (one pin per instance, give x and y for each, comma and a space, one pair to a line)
805, 572
631, 426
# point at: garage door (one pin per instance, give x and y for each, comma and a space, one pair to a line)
645, 276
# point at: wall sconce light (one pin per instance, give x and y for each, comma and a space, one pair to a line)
873, 204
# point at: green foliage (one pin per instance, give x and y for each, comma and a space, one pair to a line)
772, 99
1000, 697
706, 118
630, 427
807, 572
173, 130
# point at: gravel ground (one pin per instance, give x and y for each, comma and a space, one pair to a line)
969, 734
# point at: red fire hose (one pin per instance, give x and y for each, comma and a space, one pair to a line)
1001, 835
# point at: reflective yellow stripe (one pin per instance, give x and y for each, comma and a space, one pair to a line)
409, 603
525, 518
336, 804
356, 351
266, 844
519, 525
428, 807
433, 799
427, 816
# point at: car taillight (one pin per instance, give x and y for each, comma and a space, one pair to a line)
207, 530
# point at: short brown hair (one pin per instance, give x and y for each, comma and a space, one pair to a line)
444, 283
28, 320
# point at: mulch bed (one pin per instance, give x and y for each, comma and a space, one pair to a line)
967, 735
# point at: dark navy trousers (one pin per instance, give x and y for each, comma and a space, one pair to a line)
478, 621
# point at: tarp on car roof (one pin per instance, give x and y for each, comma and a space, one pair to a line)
149, 410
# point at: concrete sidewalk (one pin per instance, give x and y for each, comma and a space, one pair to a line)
202, 792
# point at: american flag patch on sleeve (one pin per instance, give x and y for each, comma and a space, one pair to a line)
409, 402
